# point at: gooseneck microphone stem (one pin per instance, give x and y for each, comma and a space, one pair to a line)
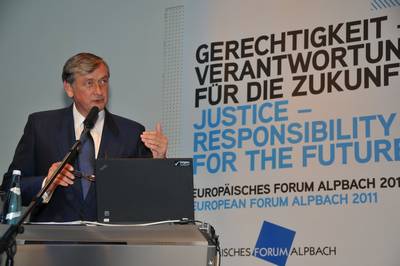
7, 241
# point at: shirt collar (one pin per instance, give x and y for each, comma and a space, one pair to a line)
78, 121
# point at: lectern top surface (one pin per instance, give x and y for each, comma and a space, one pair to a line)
170, 234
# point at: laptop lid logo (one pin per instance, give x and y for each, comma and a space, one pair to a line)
182, 163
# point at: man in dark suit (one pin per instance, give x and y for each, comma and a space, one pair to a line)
49, 135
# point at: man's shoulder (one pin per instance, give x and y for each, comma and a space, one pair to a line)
125, 122
51, 118
51, 113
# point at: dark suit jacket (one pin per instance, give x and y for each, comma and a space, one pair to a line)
47, 138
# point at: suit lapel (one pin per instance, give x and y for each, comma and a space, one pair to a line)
109, 145
66, 132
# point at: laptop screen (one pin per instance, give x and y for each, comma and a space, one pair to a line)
144, 190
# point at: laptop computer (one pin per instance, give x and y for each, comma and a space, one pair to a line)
144, 190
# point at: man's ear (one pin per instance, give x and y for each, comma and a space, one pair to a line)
68, 89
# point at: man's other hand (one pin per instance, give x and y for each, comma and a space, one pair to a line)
156, 141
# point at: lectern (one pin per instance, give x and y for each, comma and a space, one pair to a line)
66, 245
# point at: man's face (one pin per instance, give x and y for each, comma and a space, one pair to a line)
89, 90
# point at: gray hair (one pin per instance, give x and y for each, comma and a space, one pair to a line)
82, 63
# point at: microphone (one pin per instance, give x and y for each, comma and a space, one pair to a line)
91, 118
88, 124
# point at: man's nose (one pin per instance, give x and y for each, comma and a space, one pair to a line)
97, 88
